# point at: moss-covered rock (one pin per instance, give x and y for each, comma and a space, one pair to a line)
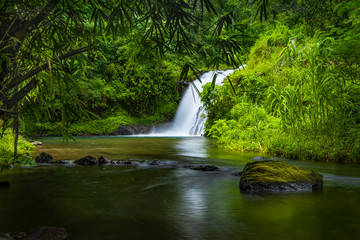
274, 176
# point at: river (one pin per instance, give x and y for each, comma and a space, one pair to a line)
161, 202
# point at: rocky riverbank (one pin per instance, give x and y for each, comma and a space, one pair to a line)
259, 176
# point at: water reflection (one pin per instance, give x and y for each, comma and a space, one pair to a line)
113, 202
194, 207
193, 147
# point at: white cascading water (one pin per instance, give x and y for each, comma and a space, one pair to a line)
190, 116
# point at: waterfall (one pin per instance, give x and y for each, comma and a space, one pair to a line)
190, 116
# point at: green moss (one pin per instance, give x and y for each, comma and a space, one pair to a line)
276, 171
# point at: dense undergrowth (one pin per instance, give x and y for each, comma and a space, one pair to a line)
120, 90
7, 153
298, 98
97, 126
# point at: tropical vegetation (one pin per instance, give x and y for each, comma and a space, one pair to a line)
298, 96
74, 67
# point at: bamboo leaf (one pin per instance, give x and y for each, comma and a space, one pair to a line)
213, 81
232, 86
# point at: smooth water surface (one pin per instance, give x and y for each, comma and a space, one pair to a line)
152, 202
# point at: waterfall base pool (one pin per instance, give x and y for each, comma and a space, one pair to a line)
146, 202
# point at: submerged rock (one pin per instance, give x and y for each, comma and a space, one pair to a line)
4, 184
103, 160
261, 158
61, 162
44, 158
276, 176
40, 233
203, 167
155, 163
88, 160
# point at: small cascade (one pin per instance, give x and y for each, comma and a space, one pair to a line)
190, 116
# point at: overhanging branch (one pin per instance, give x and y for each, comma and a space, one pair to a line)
19, 79
22, 93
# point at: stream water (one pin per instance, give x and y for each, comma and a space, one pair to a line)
152, 202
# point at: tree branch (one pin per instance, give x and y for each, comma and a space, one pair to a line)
22, 93
7, 111
22, 30
19, 79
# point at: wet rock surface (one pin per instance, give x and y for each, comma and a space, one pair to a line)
131, 130
103, 160
125, 163
62, 162
204, 168
40, 233
91, 160
44, 158
276, 176
88, 160
155, 163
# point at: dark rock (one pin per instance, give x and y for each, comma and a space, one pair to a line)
131, 129
236, 174
276, 176
160, 126
155, 163
123, 130
44, 158
203, 167
129, 163
41, 233
4, 184
260, 158
103, 160
88, 160
61, 162
182, 86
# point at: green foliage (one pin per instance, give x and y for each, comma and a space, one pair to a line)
247, 128
7, 153
294, 99
62, 61
298, 96
98, 126
121, 81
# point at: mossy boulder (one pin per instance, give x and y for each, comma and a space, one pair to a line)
276, 176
